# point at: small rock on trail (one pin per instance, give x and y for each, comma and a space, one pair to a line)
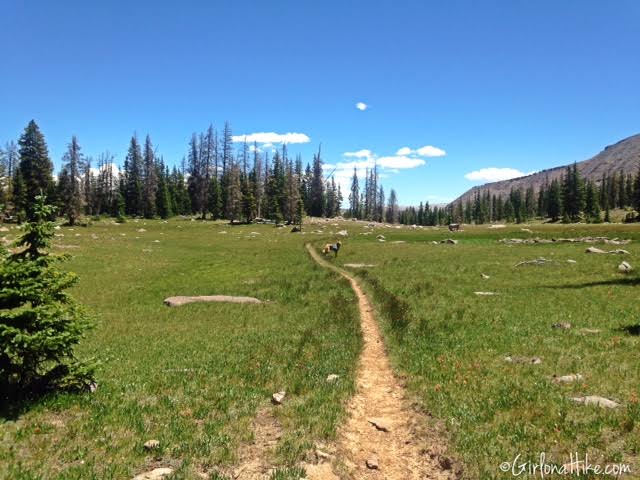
380, 424
372, 463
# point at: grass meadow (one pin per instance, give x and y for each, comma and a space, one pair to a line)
192, 377
195, 377
449, 343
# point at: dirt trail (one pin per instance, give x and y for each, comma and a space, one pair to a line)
402, 445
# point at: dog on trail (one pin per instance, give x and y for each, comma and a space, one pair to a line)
331, 247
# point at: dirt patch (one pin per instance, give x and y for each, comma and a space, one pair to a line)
182, 300
402, 448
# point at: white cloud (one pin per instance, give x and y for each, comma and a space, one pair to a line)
400, 161
430, 151
272, 137
426, 151
359, 154
494, 174
362, 106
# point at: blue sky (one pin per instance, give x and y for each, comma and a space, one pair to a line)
512, 84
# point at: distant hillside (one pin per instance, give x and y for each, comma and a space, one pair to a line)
624, 155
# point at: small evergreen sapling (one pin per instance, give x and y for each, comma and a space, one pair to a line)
40, 323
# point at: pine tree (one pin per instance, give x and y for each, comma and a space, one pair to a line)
354, 196
554, 201
133, 181
316, 204
592, 207
36, 168
150, 180
163, 196
40, 324
393, 210
234, 194
71, 194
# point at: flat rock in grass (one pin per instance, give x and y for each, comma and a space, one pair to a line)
625, 267
619, 251
343, 233
571, 261
151, 445
537, 261
380, 424
590, 330
523, 360
449, 241
567, 378
332, 378
485, 294
359, 265
278, 398
381, 237
155, 474
597, 401
486, 277
398, 241
561, 325
183, 300
594, 250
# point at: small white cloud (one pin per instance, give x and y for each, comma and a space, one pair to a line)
430, 151
359, 154
426, 151
362, 106
271, 138
400, 161
494, 174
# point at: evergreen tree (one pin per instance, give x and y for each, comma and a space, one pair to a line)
354, 196
592, 207
393, 210
150, 180
316, 204
40, 324
71, 194
133, 181
36, 169
554, 201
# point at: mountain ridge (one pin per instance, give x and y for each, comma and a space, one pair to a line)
623, 155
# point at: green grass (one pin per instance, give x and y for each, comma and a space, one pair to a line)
195, 377
192, 377
450, 344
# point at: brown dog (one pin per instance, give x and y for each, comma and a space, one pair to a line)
331, 247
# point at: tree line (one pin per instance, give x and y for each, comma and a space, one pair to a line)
214, 180
570, 198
